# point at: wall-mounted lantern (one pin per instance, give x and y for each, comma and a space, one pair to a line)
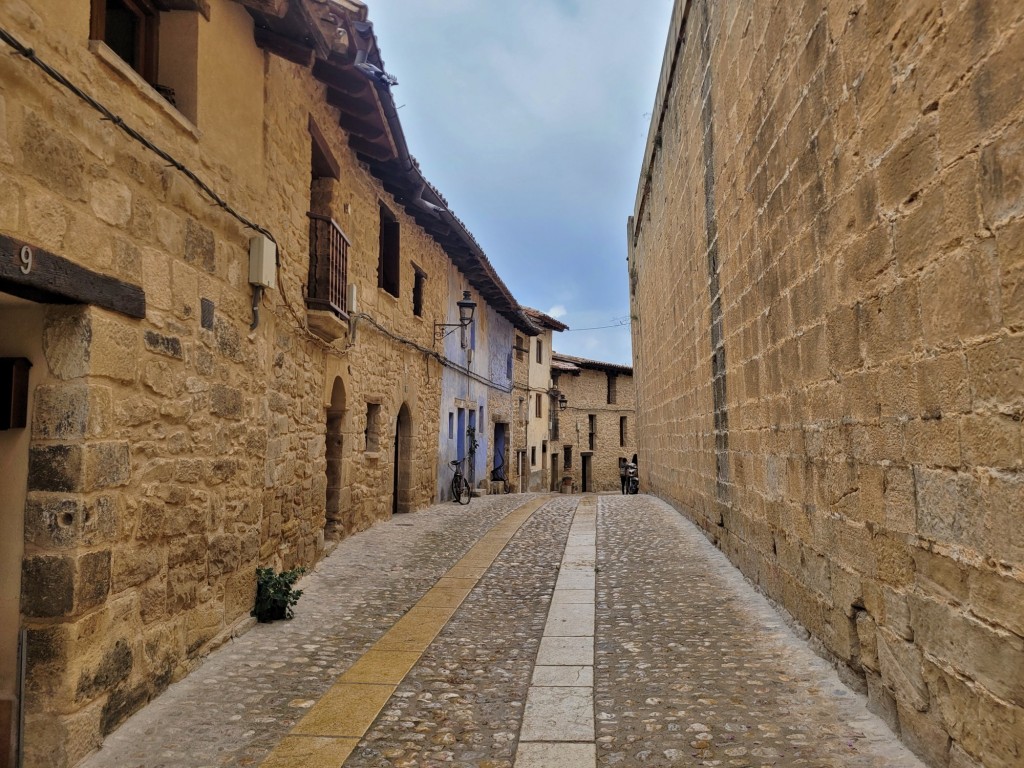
466, 308
563, 401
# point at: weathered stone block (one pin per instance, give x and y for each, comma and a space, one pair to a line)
111, 201
115, 347
47, 586
53, 157
924, 734
107, 465
941, 576
901, 665
55, 468
115, 666
968, 280
1002, 497
200, 246
226, 402
67, 339
132, 565
61, 412
170, 346
949, 506
998, 599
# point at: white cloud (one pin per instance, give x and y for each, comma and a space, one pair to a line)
558, 312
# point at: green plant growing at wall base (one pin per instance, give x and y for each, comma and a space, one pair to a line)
274, 594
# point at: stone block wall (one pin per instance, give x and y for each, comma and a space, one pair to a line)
826, 274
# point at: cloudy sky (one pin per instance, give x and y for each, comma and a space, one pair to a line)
530, 117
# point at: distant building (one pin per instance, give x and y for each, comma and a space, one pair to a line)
534, 394
596, 431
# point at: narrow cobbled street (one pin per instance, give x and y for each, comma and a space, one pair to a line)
522, 631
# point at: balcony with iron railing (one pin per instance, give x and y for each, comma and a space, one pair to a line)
326, 300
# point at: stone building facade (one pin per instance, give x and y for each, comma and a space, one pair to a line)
173, 425
596, 431
826, 265
478, 399
535, 460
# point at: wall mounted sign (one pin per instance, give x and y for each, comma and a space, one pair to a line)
38, 275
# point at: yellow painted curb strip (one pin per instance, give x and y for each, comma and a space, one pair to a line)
330, 731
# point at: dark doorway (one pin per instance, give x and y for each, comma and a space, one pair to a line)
334, 523
402, 486
555, 479
499, 471
586, 472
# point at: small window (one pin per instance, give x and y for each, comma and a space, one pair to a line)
567, 456
520, 347
622, 431
612, 378
508, 366
451, 425
540, 351
592, 421
159, 46
131, 29
417, 291
538, 406
533, 456
388, 259
372, 427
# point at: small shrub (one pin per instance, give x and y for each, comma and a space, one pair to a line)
274, 594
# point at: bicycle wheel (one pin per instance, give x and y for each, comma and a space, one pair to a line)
461, 491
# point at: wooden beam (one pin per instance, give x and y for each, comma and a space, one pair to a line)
371, 150
359, 127
39, 275
288, 49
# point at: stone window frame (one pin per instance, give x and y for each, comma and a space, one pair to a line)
612, 388
567, 457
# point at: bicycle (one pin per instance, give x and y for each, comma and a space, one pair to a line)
461, 492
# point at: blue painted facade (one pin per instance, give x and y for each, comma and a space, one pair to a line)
476, 387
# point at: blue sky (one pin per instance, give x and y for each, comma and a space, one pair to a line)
530, 117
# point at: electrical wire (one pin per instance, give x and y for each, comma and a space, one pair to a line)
30, 54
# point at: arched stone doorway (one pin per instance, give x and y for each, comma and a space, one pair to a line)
402, 485
337, 523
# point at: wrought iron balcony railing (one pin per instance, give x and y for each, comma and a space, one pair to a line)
328, 266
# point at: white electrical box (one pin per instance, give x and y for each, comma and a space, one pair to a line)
263, 261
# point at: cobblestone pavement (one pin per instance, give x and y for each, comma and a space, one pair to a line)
249, 694
692, 667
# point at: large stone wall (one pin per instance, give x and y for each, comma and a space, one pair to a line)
171, 455
826, 273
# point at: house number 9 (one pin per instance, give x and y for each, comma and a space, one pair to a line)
26, 259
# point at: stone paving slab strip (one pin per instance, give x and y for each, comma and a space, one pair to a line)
575, 675
379, 666
558, 714
541, 755
570, 620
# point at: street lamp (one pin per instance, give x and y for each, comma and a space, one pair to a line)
466, 308
563, 401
